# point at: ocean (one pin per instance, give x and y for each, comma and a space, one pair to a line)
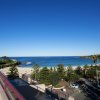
53, 61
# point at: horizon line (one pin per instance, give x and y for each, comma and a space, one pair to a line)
49, 56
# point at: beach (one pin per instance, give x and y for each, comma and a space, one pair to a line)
27, 70
21, 70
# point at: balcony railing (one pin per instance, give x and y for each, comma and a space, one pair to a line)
9, 89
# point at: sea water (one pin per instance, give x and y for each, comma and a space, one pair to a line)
53, 61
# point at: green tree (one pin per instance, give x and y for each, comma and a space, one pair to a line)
5, 59
32, 76
36, 69
51, 69
91, 73
61, 71
7, 62
94, 58
1, 66
70, 73
54, 78
54, 69
86, 68
44, 76
79, 71
74, 77
13, 72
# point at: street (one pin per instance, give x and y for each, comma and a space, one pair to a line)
91, 92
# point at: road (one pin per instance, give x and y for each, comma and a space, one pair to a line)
91, 91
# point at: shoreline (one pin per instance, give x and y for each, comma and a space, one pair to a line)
21, 70
23, 66
29, 70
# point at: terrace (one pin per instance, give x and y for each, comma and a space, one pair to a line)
18, 89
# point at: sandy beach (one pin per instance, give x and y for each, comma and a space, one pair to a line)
21, 70
28, 70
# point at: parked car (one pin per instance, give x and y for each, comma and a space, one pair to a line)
98, 86
74, 86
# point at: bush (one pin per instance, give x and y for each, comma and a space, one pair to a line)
13, 72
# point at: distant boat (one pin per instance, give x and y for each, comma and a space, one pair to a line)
14, 60
28, 63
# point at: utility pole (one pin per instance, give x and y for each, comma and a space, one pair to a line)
97, 72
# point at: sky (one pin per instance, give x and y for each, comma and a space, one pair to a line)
49, 27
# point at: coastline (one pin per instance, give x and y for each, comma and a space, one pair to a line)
29, 70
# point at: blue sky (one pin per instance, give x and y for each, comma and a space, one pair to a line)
49, 27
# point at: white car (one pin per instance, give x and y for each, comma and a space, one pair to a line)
98, 86
75, 86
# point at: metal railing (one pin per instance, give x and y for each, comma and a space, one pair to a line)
9, 89
38, 88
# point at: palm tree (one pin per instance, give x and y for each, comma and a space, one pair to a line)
36, 68
95, 59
